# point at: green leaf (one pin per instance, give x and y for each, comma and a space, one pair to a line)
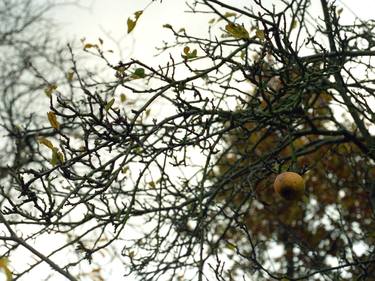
137, 150
231, 246
167, 26
57, 157
139, 73
54, 158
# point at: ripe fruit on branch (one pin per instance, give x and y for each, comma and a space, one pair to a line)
289, 185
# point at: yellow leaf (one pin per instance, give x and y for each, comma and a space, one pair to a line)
109, 104
237, 31
229, 14
50, 89
5, 268
53, 120
46, 142
294, 24
3, 262
148, 111
186, 50
60, 156
88, 46
132, 23
138, 14
260, 34
242, 55
123, 98
152, 184
69, 76
189, 55
8, 274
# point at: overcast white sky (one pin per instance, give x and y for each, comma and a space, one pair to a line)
111, 15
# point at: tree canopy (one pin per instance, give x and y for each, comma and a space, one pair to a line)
166, 171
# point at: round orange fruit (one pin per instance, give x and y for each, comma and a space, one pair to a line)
289, 185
